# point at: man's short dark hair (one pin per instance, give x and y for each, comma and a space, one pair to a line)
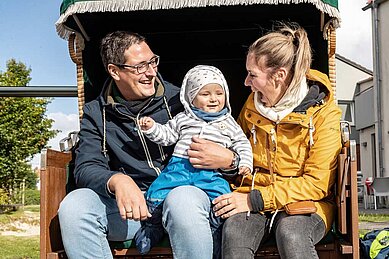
114, 44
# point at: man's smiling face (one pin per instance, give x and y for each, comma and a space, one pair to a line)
134, 85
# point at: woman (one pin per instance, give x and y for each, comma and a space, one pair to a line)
294, 128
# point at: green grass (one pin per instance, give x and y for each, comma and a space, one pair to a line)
373, 218
32, 208
13, 247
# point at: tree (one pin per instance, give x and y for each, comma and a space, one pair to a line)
24, 128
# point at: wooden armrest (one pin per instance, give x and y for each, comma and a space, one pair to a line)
347, 200
53, 183
342, 184
353, 233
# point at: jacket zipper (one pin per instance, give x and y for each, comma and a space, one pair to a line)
162, 154
142, 138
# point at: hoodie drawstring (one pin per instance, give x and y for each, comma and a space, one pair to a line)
252, 188
167, 108
254, 133
272, 220
104, 151
311, 130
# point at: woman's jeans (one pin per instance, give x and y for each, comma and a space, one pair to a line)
88, 221
296, 236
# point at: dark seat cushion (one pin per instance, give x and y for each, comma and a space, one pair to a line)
129, 244
327, 239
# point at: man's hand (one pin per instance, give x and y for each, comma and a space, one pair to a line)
206, 154
129, 197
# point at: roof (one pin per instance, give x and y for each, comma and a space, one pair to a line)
353, 64
373, 4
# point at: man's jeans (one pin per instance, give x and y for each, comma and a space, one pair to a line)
87, 220
296, 236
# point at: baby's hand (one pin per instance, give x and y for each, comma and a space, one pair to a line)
145, 123
243, 170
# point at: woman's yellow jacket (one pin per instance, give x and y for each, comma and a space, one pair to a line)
303, 152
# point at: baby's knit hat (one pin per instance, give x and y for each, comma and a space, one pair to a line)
199, 76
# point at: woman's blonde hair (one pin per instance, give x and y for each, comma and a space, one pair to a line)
287, 47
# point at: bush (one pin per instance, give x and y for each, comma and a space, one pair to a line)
3, 197
32, 197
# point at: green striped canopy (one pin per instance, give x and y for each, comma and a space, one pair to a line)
71, 7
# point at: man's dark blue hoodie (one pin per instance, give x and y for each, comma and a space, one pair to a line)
110, 141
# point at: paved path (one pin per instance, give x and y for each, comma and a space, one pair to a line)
373, 225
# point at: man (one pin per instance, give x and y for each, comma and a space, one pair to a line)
115, 163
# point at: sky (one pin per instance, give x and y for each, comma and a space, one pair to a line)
27, 34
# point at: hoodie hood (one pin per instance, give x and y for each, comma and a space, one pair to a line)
133, 107
195, 79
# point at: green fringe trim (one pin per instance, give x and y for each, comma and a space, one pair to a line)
136, 5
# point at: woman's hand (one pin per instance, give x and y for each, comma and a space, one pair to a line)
206, 154
230, 204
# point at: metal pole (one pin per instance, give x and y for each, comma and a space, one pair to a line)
377, 77
38, 91
377, 72
23, 192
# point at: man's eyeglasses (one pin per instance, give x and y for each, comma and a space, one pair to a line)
142, 67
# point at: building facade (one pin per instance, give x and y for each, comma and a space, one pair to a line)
348, 74
372, 105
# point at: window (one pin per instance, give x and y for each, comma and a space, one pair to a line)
347, 108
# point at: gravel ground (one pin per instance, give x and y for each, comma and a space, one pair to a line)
23, 230
28, 226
